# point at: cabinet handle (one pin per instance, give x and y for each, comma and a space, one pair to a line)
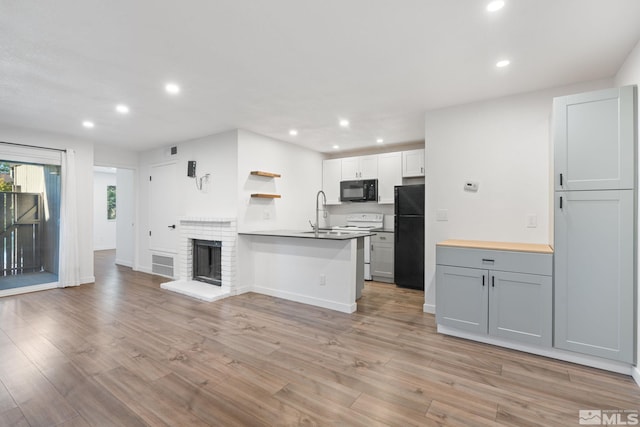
421, 169
560, 180
493, 281
483, 280
488, 261
560, 202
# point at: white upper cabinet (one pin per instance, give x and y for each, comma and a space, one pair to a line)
331, 176
594, 140
413, 163
389, 175
363, 167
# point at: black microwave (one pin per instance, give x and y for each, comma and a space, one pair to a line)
365, 190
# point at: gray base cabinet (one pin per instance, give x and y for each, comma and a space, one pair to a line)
506, 294
382, 257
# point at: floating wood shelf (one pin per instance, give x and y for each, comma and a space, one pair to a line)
267, 174
266, 196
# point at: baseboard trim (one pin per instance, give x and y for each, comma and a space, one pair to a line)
87, 279
143, 269
28, 289
635, 373
331, 305
242, 290
429, 308
554, 353
124, 263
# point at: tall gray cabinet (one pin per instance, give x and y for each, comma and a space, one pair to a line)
594, 232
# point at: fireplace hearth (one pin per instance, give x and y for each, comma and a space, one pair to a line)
207, 261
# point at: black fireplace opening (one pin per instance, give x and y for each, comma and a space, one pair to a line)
207, 261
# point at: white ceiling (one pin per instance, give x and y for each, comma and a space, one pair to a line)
269, 66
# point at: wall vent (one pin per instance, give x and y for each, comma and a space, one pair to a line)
162, 265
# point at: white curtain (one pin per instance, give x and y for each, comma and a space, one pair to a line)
69, 274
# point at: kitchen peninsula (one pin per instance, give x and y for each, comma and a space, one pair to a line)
325, 270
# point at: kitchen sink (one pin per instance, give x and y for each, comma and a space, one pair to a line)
332, 232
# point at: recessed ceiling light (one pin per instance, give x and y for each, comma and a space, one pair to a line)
379, 140
344, 123
335, 147
293, 132
88, 124
495, 5
503, 63
122, 109
172, 88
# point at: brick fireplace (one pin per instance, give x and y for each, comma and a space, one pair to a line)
208, 229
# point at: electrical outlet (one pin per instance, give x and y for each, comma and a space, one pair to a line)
532, 221
266, 214
442, 215
323, 280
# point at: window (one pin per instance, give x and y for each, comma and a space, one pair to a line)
111, 202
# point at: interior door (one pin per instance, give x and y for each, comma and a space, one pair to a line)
594, 140
163, 209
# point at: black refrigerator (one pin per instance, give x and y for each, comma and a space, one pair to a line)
409, 236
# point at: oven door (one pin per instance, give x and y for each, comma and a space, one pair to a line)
351, 191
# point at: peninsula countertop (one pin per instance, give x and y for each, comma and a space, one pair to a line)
309, 234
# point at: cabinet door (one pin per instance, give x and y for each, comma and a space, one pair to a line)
350, 168
331, 175
593, 273
594, 136
368, 167
413, 163
462, 298
520, 307
382, 257
389, 175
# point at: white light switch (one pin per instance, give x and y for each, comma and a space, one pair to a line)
532, 221
442, 215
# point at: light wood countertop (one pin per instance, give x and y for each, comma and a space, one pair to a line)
498, 246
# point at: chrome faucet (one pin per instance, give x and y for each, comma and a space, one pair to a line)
324, 203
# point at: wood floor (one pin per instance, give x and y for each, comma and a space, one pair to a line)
123, 352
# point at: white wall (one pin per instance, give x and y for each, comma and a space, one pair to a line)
104, 230
504, 144
301, 179
84, 183
629, 74
116, 157
125, 218
216, 155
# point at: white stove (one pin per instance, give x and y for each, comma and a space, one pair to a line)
362, 222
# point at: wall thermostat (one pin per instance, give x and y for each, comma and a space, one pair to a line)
471, 186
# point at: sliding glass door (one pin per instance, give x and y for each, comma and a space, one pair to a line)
29, 224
